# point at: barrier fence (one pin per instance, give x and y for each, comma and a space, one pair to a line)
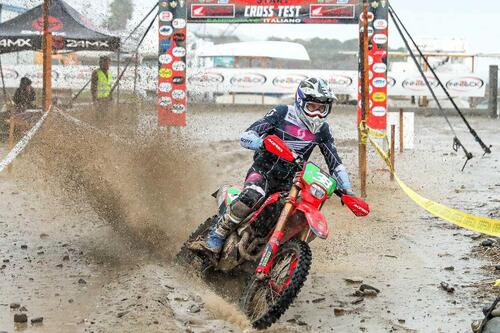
254, 80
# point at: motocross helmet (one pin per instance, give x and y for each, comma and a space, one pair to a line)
313, 102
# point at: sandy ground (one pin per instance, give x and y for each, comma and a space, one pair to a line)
89, 224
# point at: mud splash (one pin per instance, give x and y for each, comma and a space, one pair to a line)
139, 186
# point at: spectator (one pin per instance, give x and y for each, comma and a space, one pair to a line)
24, 96
101, 87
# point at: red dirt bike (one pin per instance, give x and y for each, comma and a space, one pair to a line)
273, 241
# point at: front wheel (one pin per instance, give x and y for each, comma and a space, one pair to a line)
264, 301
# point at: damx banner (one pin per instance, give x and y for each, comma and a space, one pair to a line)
171, 90
376, 118
273, 11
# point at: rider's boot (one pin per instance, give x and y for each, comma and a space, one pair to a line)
217, 235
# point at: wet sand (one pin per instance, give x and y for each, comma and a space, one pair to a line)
119, 211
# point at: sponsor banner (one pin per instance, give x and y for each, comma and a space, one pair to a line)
67, 77
285, 81
249, 80
171, 86
273, 11
272, 81
11, 44
376, 117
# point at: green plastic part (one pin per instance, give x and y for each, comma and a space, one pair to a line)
232, 193
313, 174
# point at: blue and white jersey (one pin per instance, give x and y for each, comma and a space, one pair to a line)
283, 122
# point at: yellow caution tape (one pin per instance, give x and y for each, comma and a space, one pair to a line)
468, 221
376, 134
366, 132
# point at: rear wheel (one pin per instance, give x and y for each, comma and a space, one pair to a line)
186, 257
264, 301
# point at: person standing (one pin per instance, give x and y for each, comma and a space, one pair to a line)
101, 87
24, 96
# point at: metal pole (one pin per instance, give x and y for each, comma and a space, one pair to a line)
47, 58
401, 131
130, 59
363, 52
493, 98
12, 124
10, 107
393, 149
118, 87
136, 65
5, 98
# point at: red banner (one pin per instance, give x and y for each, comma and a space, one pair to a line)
273, 11
376, 118
171, 93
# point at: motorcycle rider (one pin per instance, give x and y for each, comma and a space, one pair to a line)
302, 127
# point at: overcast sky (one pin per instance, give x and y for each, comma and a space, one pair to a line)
474, 21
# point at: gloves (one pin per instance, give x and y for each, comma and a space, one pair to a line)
349, 192
251, 140
342, 178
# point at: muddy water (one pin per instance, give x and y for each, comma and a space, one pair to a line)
121, 210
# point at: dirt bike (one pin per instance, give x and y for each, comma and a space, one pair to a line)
273, 241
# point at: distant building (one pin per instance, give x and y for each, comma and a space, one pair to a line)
443, 54
260, 54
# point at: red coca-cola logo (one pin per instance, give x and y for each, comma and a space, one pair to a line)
54, 24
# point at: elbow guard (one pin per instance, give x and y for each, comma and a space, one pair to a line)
250, 140
342, 176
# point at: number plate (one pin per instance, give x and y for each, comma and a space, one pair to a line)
313, 174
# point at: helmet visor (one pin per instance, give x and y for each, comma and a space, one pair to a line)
315, 109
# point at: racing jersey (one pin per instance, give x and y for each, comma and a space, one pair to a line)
283, 122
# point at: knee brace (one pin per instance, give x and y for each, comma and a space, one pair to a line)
247, 201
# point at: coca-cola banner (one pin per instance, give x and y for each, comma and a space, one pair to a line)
171, 90
273, 11
376, 116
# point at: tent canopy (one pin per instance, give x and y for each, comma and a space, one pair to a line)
70, 31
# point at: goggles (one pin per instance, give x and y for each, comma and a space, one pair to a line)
316, 109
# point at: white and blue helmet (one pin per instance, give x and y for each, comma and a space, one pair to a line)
313, 101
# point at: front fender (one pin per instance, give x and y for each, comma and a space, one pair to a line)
316, 220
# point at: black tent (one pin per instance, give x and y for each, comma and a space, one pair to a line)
70, 30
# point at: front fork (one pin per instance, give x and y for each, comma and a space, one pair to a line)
274, 242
